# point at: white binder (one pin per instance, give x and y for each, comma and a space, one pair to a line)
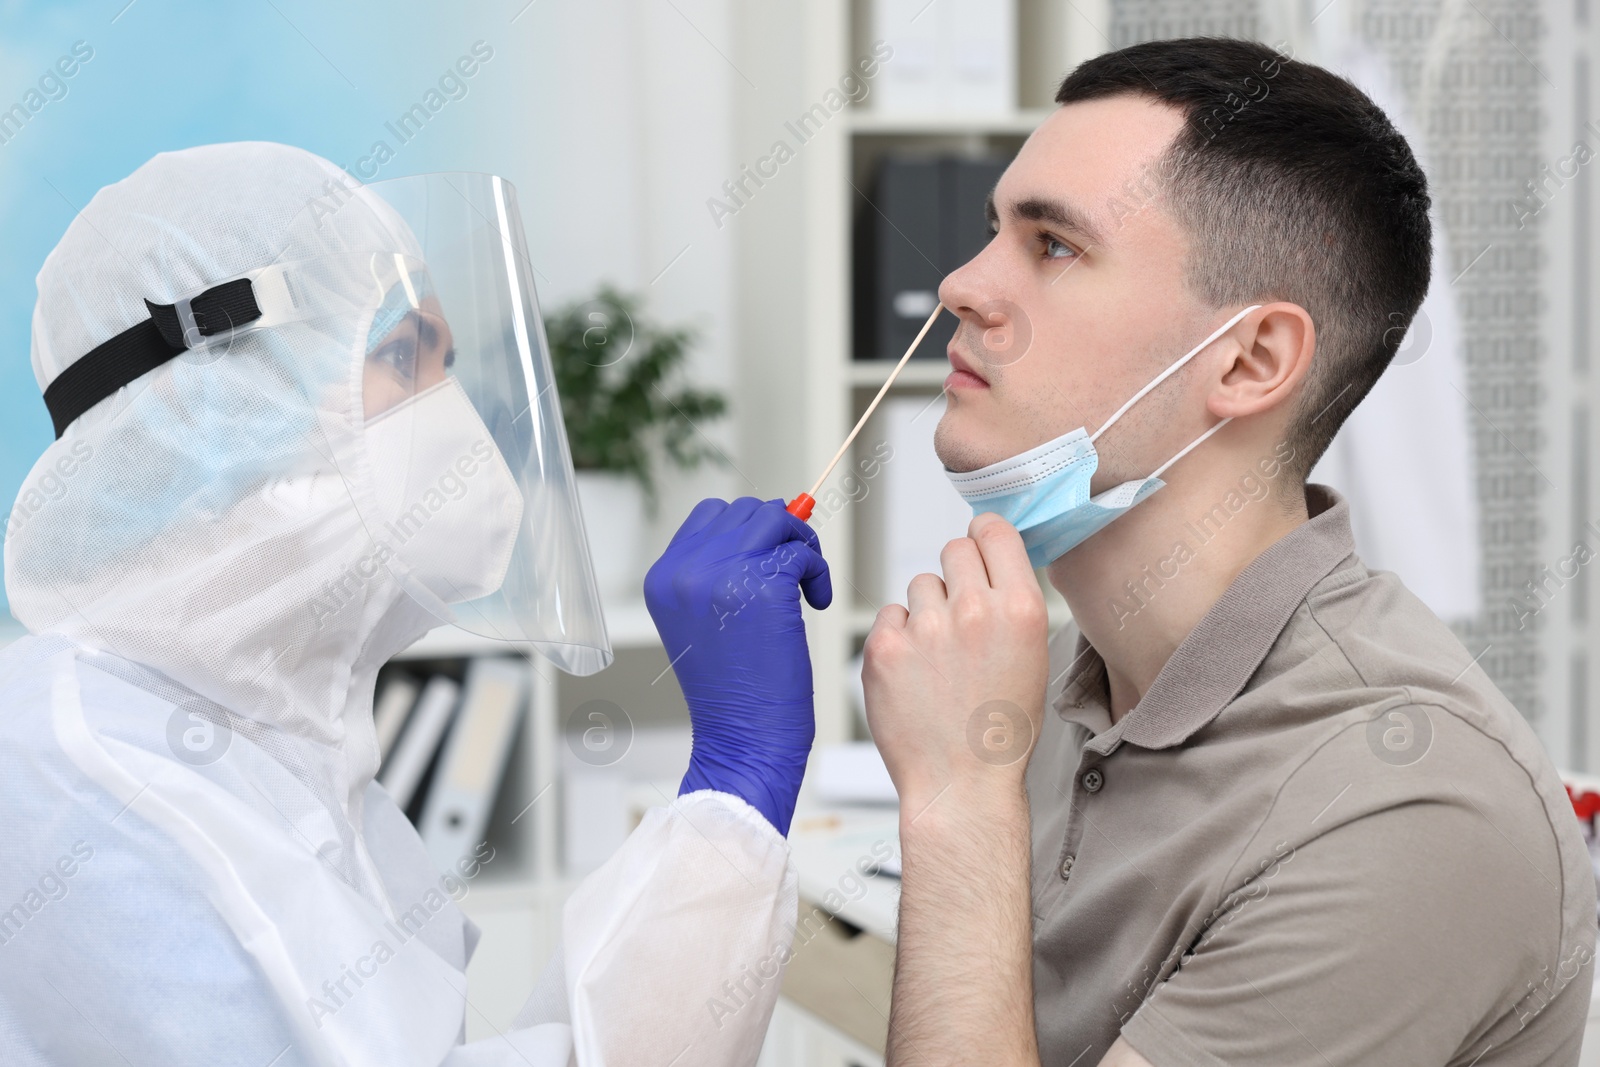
462, 795
399, 696
914, 511
950, 57
404, 769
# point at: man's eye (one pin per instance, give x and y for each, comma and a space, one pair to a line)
1055, 249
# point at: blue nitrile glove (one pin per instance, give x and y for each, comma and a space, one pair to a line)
725, 597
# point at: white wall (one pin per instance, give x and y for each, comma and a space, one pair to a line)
628, 106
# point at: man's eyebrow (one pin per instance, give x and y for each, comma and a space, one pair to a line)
1057, 213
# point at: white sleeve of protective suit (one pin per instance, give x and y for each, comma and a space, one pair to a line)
672, 952
192, 906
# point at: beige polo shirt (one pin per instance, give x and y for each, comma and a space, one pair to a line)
1322, 837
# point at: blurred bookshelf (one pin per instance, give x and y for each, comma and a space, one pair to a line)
526, 822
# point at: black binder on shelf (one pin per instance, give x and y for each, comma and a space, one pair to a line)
925, 217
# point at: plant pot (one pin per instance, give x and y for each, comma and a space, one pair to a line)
613, 517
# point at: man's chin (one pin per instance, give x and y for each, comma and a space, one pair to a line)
959, 445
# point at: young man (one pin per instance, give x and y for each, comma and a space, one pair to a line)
1256, 805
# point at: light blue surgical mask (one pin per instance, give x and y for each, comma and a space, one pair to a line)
402, 299
1044, 492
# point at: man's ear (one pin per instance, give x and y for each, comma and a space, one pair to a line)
1271, 359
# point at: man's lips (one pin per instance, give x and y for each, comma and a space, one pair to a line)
964, 374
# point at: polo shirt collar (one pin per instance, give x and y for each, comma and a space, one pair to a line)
1211, 665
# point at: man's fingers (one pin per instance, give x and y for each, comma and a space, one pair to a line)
892, 615
925, 591
963, 567
1005, 557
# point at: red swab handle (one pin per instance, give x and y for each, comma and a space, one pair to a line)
800, 507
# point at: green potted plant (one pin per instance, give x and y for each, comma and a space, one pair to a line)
625, 408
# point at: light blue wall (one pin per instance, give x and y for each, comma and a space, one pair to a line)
327, 76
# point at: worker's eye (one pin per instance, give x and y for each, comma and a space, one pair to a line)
1052, 247
398, 351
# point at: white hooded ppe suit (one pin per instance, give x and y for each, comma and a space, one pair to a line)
197, 866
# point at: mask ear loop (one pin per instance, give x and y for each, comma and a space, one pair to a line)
1164, 375
1190, 447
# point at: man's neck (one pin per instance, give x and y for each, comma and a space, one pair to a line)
1139, 587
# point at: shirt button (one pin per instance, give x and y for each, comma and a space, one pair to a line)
1093, 779
1066, 868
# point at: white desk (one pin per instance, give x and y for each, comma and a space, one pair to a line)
843, 967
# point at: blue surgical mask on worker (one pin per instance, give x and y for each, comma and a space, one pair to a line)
1044, 492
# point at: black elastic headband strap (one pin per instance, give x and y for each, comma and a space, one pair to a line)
140, 349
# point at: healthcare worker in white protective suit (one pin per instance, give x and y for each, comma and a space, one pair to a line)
300, 423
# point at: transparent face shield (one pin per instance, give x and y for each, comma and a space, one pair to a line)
453, 445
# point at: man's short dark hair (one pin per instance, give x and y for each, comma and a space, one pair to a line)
1291, 185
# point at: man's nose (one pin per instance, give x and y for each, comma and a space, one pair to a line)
998, 329
960, 290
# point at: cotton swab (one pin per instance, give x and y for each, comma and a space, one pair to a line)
802, 505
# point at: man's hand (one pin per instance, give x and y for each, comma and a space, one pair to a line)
955, 685
955, 698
